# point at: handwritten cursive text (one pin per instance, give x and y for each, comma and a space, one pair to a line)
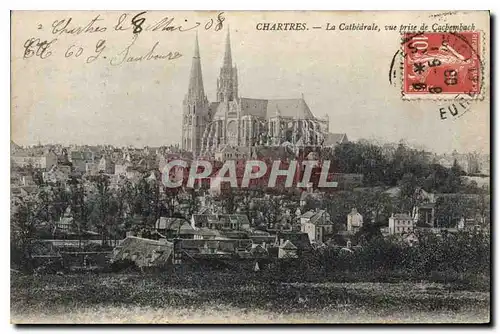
126, 55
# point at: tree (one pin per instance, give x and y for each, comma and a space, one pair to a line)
408, 185
244, 199
124, 196
312, 202
78, 208
454, 181
450, 209
227, 200
24, 221
271, 211
59, 200
362, 158
377, 204
147, 202
484, 208
37, 177
378, 253
374, 205
155, 202
338, 205
435, 181
103, 207
171, 199
456, 169
368, 232
193, 203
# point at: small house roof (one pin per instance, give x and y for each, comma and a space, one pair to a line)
315, 216
206, 232
401, 216
204, 219
333, 139
299, 239
288, 245
354, 212
144, 252
172, 223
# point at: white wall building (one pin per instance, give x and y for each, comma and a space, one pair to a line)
400, 223
354, 221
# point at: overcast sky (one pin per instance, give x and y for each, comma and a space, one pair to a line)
340, 73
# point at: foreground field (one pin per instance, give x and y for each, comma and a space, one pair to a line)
223, 298
216, 314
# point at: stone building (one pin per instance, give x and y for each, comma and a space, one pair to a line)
236, 121
354, 221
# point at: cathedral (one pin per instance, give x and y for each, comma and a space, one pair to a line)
241, 122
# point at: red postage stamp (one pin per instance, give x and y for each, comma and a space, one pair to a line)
441, 64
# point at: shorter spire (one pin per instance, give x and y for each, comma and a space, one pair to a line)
227, 54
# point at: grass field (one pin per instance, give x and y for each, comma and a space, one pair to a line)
225, 298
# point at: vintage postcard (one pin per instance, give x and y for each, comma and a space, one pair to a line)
224, 167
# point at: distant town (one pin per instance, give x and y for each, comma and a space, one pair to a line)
92, 207
112, 199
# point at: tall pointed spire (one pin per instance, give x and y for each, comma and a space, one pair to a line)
194, 106
196, 47
228, 62
195, 89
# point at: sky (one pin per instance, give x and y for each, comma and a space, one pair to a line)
343, 74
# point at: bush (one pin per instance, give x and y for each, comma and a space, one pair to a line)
124, 265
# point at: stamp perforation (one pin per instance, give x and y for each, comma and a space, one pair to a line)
448, 96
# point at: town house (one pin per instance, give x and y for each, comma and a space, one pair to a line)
354, 221
400, 223
317, 225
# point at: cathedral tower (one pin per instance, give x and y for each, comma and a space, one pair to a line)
195, 106
227, 83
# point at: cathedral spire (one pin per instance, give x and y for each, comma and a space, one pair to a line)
195, 89
228, 62
227, 84
194, 106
